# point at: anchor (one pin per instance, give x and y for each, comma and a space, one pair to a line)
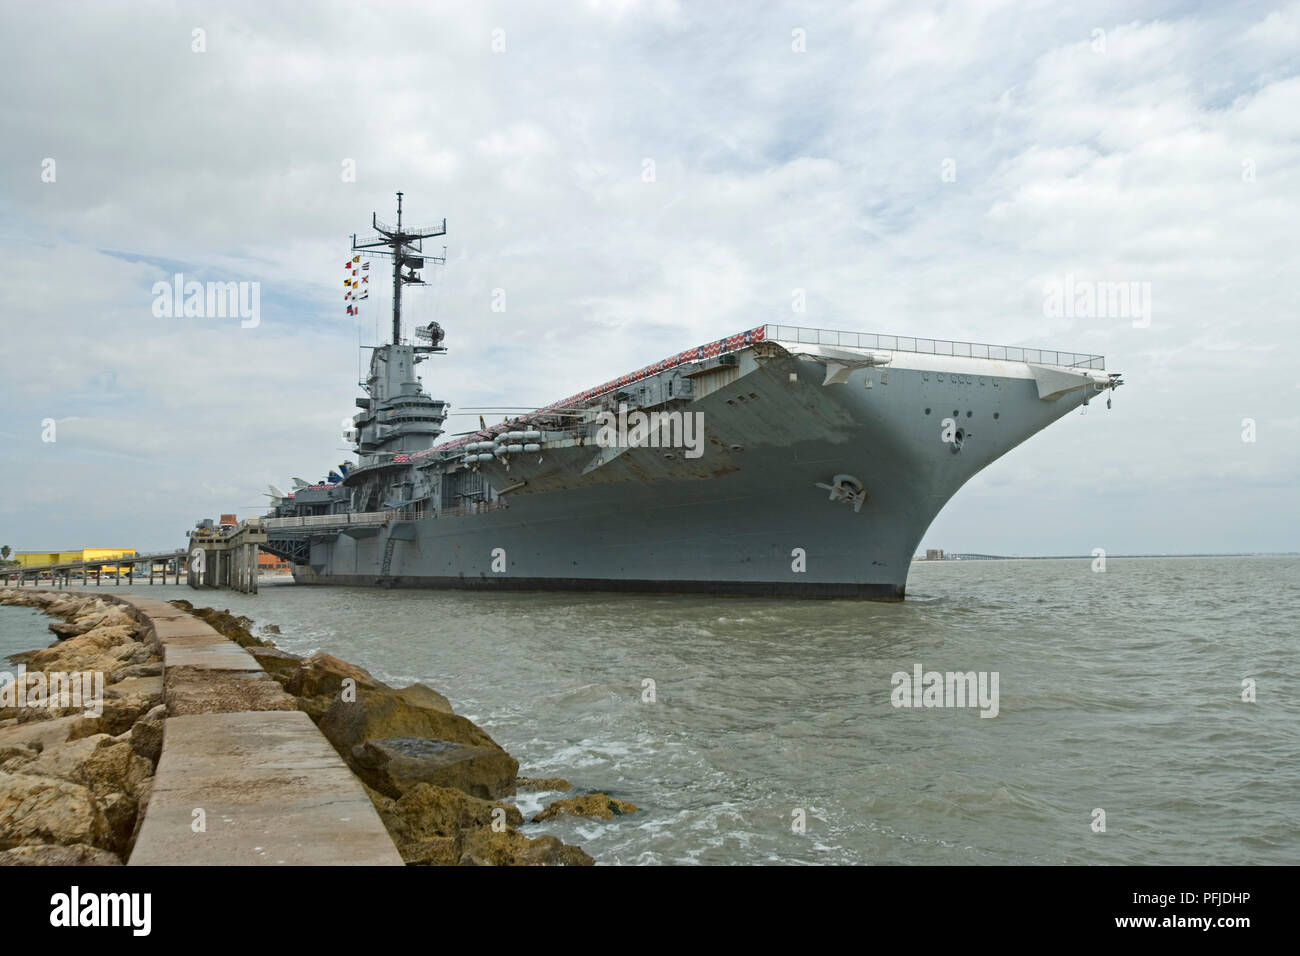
846, 490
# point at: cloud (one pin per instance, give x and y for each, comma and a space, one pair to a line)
1171, 157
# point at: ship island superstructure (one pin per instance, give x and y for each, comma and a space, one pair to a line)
777, 460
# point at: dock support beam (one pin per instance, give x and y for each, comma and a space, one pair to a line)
229, 558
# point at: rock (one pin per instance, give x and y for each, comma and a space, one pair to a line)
48, 810
68, 606
319, 680
427, 821
147, 687
143, 654
64, 760
39, 734
119, 811
152, 669
279, 664
147, 734
79, 854
315, 707
394, 765
101, 649
119, 715
16, 598
487, 847
108, 769
99, 763
598, 806
145, 790
418, 695
324, 674
543, 783
112, 615
16, 752
435, 851
139, 775
384, 712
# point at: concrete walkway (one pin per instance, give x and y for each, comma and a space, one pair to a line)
244, 777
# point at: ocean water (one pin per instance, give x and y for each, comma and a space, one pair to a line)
21, 629
1118, 692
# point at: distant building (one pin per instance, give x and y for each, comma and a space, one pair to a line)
272, 563
32, 559
934, 554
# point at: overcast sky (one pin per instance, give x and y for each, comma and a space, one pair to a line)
1139, 142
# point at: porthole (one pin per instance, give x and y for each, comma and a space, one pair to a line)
927, 411
939, 377
955, 413
995, 416
968, 414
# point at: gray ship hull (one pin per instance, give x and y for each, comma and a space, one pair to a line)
758, 512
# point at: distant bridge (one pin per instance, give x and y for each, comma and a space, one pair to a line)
64, 571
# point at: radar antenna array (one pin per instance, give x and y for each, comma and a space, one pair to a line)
405, 247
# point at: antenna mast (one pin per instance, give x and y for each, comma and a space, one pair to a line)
406, 248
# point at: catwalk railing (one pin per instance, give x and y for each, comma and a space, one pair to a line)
909, 343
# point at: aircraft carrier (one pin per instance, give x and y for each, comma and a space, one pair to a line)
778, 460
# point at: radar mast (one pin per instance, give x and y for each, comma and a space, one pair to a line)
406, 247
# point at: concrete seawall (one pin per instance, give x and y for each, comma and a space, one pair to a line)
244, 777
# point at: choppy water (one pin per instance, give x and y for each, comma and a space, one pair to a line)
21, 629
1119, 691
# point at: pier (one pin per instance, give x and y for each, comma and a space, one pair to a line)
272, 788
61, 574
226, 557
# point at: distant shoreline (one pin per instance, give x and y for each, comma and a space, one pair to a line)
1088, 557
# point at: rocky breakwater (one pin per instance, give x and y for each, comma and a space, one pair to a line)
80, 735
439, 781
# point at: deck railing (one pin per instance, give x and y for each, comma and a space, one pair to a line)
908, 343
328, 521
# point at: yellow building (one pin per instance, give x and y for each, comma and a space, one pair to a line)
95, 554
34, 559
